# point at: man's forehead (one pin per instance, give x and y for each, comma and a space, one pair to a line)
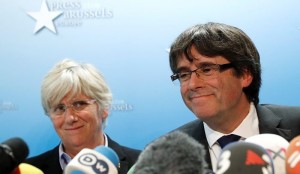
200, 59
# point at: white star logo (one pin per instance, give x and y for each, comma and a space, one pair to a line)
44, 18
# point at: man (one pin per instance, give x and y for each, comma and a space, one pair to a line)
77, 100
219, 72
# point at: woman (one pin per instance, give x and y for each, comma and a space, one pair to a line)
77, 100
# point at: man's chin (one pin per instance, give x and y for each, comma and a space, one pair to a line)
204, 114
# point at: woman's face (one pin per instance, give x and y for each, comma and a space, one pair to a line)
81, 128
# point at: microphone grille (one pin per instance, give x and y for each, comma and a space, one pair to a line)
174, 153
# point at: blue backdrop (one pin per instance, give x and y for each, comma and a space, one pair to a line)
127, 41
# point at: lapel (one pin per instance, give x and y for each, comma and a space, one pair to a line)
51, 162
123, 165
195, 129
269, 122
203, 141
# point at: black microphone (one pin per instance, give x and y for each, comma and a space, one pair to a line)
244, 158
174, 153
12, 152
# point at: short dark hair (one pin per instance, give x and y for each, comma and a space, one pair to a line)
216, 39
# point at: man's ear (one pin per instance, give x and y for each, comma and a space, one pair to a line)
247, 78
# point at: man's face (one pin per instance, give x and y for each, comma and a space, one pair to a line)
221, 95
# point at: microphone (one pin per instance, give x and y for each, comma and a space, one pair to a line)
101, 160
245, 158
24, 168
276, 147
293, 156
12, 152
174, 153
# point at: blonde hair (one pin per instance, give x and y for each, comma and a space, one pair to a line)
70, 77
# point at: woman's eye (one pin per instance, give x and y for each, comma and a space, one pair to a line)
60, 107
79, 104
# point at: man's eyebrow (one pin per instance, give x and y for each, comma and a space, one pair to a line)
182, 68
185, 68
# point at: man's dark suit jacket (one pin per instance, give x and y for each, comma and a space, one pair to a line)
48, 162
279, 120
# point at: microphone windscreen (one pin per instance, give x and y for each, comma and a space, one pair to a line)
174, 153
244, 158
12, 152
101, 160
276, 146
24, 168
293, 157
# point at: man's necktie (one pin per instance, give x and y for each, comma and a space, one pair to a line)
223, 141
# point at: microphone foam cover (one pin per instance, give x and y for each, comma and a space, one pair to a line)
18, 147
174, 153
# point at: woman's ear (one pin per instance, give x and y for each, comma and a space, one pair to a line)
104, 114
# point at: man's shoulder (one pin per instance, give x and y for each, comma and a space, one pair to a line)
190, 125
284, 120
193, 128
280, 110
275, 106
